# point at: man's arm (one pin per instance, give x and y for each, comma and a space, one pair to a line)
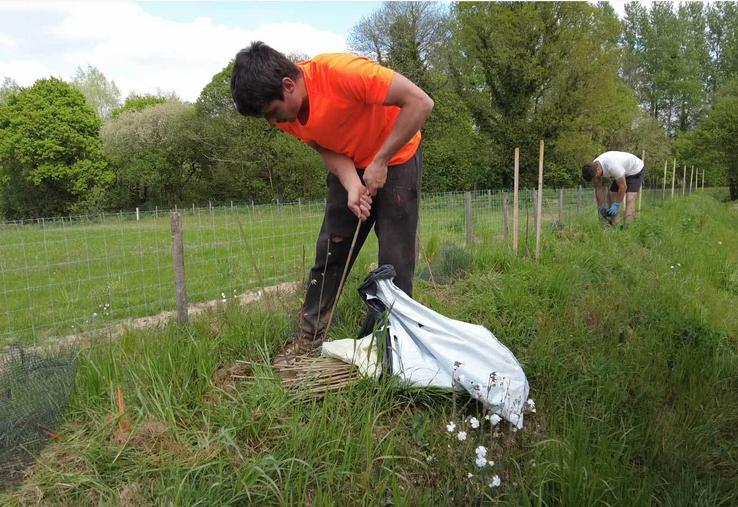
415, 107
343, 168
599, 191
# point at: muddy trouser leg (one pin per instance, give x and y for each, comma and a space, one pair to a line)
331, 254
396, 206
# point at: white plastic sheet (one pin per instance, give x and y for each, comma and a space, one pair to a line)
427, 349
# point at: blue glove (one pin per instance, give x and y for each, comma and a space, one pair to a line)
602, 212
614, 209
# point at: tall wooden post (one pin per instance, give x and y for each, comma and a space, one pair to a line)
673, 178
684, 180
540, 200
179, 269
516, 201
468, 214
663, 189
505, 217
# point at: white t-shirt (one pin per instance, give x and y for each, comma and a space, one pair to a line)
616, 164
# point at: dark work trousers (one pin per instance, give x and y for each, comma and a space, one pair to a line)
394, 215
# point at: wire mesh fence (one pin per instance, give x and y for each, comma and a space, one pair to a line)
65, 276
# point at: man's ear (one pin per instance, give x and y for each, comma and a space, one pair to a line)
288, 85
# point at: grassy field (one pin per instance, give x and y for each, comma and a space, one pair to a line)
629, 339
61, 277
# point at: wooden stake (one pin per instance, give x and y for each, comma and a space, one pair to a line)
684, 180
516, 202
640, 190
505, 217
468, 218
703, 180
179, 269
691, 177
673, 178
663, 189
540, 200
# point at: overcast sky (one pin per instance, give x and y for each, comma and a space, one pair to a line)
167, 46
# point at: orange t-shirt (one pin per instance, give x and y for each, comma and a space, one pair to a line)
347, 114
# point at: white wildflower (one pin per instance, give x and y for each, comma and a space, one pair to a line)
720, 242
429, 458
461, 435
94, 314
481, 461
469, 475
451, 427
531, 405
222, 294
474, 423
495, 481
494, 419
672, 267
481, 451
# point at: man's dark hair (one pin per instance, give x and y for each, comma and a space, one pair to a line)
257, 76
588, 171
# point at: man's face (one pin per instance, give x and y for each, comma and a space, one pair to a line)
285, 110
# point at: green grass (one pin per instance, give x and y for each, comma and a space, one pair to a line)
632, 365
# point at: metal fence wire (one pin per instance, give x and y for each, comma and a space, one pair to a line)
70, 276
35, 389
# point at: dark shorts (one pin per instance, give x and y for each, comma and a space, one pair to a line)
633, 182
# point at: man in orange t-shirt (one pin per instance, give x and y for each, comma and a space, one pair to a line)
364, 120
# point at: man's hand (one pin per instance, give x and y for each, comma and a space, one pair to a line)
375, 176
614, 209
359, 201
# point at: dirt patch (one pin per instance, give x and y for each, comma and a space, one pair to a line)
116, 329
223, 378
151, 437
130, 496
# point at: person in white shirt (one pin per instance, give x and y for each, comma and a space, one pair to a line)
626, 172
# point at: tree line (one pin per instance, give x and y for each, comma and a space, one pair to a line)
663, 80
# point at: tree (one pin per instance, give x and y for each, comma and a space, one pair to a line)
405, 36
668, 61
139, 102
153, 154
715, 135
50, 157
722, 39
531, 71
8, 88
101, 94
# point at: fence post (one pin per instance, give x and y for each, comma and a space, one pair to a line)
579, 198
469, 224
684, 180
179, 269
156, 211
516, 201
137, 216
210, 207
505, 217
561, 205
539, 206
663, 183
703, 179
673, 178
231, 205
691, 177
534, 203
193, 209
